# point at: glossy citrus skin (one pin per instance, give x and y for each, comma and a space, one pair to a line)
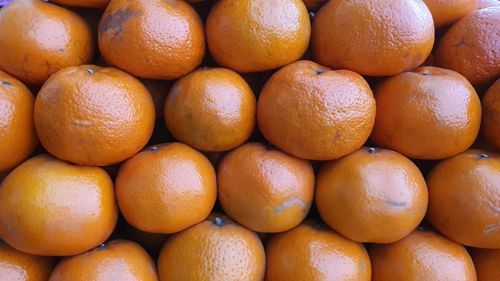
229, 251
427, 113
17, 131
166, 188
40, 38
373, 37
84, 3
491, 114
463, 201
470, 47
91, 115
52, 208
313, 5
15, 265
481, 4
372, 195
315, 113
422, 255
152, 39
311, 252
264, 189
446, 12
115, 260
211, 109
486, 262
257, 35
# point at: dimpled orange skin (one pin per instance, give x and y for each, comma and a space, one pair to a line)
310, 252
314, 113
486, 262
116, 260
264, 189
95, 116
257, 35
426, 113
463, 201
375, 38
166, 188
372, 195
481, 4
446, 12
491, 114
211, 109
19, 266
471, 47
52, 208
422, 255
229, 251
313, 5
84, 3
152, 39
40, 38
18, 137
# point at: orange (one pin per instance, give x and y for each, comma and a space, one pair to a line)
91, 115
313, 5
315, 113
152, 39
257, 35
481, 4
422, 255
115, 260
15, 265
310, 252
84, 3
486, 262
166, 188
463, 201
211, 109
426, 113
52, 208
216, 249
40, 38
372, 195
471, 47
491, 114
264, 189
446, 12
17, 131
373, 37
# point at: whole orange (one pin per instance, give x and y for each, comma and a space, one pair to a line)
52, 208
426, 113
486, 262
84, 3
372, 195
216, 249
166, 188
257, 35
91, 115
15, 265
463, 201
40, 38
446, 12
18, 137
315, 113
152, 39
311, 252
373, 37
491, 114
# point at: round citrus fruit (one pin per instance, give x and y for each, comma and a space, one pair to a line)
40, 38
91, 115
52, 208
264, 189
152, 39
19, 266
463, 198
448, 11
491, 114
211, 109
372, 195
486, 262
373, 37
422, 255
257, 35
166, 188
18, 137
315, 113
311, 252
216, 249
427, 113
84, 3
